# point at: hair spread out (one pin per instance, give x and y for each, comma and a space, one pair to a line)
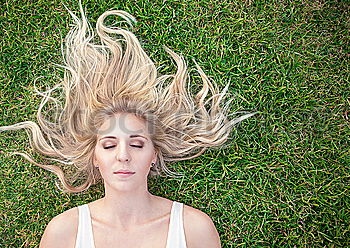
115, 75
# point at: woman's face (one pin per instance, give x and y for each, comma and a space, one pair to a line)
124, 152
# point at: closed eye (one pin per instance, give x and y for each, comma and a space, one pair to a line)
137, 146
108, 147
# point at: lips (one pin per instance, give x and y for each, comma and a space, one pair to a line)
124, 172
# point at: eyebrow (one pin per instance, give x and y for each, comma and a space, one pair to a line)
138, 135
131, 136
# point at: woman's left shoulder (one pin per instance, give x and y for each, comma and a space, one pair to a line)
199, 229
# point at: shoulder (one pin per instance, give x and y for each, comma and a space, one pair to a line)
199, 229
61, 230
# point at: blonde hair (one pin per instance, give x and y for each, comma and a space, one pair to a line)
116, 75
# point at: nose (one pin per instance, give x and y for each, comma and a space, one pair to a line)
122, 154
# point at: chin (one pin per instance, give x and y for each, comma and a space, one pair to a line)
124, 186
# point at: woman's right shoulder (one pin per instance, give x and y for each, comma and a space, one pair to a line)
61, 230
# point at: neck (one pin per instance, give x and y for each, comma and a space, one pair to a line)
125, 208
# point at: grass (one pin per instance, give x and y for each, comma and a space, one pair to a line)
283, 181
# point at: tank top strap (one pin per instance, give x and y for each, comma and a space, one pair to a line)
85, 238
176, 234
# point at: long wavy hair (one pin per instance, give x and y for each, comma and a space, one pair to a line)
113, 74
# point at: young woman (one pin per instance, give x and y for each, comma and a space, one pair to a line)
119, 123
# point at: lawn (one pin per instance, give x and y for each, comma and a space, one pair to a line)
283, 178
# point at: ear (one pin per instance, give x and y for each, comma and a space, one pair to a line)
154, 159
94, 160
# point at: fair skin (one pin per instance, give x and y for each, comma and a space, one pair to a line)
128, 210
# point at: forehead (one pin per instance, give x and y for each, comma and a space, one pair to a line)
123, 124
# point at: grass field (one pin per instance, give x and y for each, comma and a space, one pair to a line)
283, 181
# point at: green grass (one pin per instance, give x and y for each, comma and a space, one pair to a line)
283, 181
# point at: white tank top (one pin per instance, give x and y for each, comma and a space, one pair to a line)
176, 233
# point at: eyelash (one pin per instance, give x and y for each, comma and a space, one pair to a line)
109, 147
138, 146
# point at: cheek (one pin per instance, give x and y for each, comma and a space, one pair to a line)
144, 159
101, 157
